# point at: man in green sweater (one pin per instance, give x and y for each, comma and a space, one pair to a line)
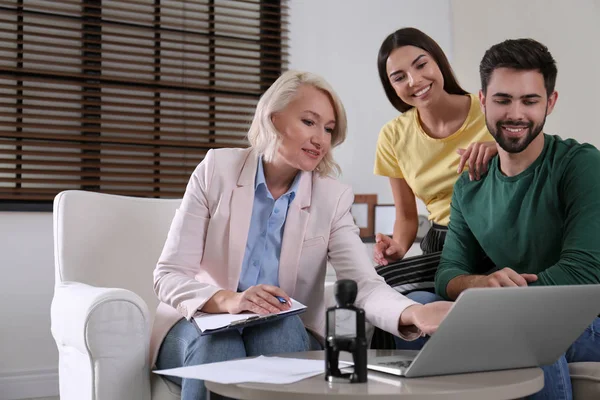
536, 212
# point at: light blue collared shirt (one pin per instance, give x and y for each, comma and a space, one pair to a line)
263, 248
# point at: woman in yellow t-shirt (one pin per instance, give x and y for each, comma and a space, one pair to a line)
440, 131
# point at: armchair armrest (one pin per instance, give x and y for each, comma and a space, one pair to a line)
103, 336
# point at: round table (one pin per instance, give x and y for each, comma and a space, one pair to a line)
495, 385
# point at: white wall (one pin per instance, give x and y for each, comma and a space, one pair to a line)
28, 355
339, 40
570, 29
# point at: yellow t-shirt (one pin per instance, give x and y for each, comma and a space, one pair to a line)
429, 165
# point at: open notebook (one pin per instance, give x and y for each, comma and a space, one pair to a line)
213, 323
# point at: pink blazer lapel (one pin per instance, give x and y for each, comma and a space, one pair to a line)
240, 214
293, 234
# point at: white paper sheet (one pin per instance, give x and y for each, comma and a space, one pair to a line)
214, 321
260, 370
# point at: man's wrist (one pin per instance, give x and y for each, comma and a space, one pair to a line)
461, 283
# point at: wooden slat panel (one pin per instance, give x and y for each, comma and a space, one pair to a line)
186, 169
107, 6
190, 123
96, 147
183, 89
275, 12
183, 176
25, 197
241, 32
188, 57
112, 72
125, 40
105, 148
52, 192
217, 13
126, 97
176, 61
105, 78
133, 53
122, 140
188, 100
50, 195
92, 182
244, 117
104, 130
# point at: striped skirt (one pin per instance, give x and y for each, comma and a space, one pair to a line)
416, 273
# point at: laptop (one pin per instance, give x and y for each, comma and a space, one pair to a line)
491, 329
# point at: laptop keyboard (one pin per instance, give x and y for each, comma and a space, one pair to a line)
398, 364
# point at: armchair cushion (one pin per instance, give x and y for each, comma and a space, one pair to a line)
164, 389
585, 378
101, 334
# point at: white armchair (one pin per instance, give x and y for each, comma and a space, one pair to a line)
106, 248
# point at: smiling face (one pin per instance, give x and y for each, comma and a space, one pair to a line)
516, 105
414, 75
306, 125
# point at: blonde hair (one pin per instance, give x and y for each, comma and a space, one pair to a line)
266, 139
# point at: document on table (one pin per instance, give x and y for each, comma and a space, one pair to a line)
214, 323
259, 370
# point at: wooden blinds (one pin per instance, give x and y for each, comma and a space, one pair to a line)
126, 97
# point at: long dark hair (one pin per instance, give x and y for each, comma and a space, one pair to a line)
414, 37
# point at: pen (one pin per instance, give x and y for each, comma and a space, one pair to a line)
281, 299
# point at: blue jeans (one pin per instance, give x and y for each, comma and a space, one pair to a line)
556, 376
557, 381
183, 346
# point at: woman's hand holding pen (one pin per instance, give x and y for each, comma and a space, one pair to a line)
260, 299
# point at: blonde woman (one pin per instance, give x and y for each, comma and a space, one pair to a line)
260, 223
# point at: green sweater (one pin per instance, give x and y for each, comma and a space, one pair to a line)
544, 221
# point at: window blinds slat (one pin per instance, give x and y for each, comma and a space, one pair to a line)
109, 150
165, 61
195, 129
190, 122
244, 35
120, 36
124, 86
46, 195
183, 176
273, 10
176, 5
185, 170
218, 12
244, 117
127, 99
122, 140
113, 72
116, 79
90, 182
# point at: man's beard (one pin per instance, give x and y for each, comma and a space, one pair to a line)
515, 145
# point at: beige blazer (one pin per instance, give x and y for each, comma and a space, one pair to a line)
205, 247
